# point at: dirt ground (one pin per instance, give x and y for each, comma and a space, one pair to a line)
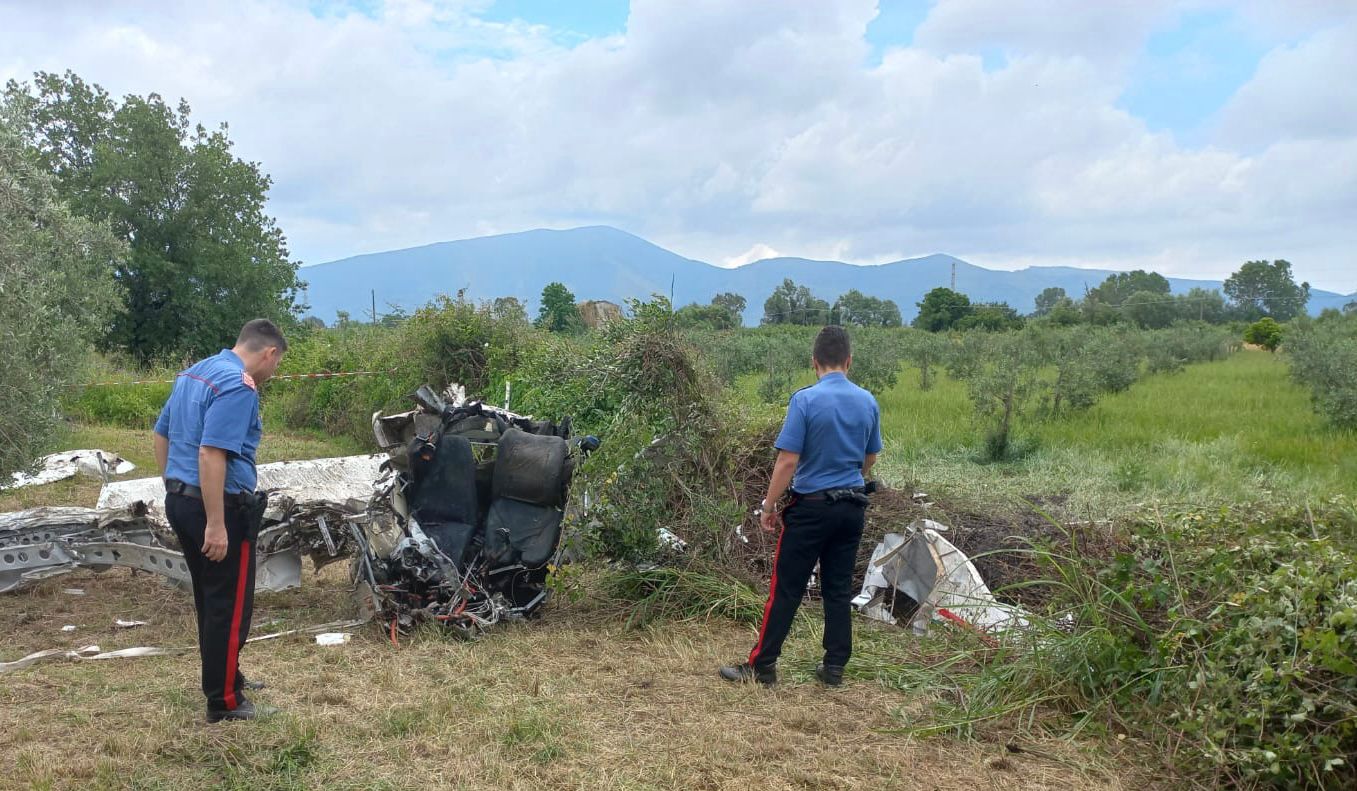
571, 701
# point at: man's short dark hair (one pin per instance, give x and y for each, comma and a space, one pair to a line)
259, 334
832, 347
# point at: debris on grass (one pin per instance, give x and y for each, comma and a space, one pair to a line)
70, 463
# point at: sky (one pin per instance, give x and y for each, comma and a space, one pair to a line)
1183, 136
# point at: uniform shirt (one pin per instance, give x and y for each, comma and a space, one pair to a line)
833, 424
214, 403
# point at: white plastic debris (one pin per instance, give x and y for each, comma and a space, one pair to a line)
85, 652
335, 479
73, 591
943, 581
333, 638
121, 624
70, 627
670, 540
67, 464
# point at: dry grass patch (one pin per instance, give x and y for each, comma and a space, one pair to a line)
572, 701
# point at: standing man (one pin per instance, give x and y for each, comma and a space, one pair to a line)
828, 444
205, 443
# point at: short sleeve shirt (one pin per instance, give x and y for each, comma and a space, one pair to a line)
213, 403
833, 425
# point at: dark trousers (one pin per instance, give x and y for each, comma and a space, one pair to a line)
223, 594
813, 530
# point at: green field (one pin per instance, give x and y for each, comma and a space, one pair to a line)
580, 700
1236, 431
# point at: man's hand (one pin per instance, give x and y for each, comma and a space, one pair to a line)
214, 541
770, 519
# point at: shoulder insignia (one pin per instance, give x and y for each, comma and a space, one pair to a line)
248, 380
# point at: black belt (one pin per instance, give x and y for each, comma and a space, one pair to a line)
189, 490
831, 494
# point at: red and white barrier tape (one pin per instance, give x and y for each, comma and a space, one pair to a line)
319, 375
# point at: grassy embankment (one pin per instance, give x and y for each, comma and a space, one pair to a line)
577, 700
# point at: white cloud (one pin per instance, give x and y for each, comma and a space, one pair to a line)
713, 127
758, 252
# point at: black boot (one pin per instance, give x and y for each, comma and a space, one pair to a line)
746, 673
245, 711
829, 675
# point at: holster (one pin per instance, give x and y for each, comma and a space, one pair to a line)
853, 496
252, 507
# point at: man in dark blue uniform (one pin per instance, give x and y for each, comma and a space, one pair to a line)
827, 447
205, 443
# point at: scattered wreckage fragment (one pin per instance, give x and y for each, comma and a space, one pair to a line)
939, 581
458, 521
70, 463
46, 542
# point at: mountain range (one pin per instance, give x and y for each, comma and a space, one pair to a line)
599, 262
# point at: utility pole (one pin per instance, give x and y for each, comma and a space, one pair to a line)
954, 275
374, 306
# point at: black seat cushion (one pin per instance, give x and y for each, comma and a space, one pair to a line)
444, 482
518, 532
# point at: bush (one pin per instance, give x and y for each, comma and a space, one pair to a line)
1323, 358
1227, 639
1265, 332
127, 406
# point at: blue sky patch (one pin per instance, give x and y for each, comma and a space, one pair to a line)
1188, 73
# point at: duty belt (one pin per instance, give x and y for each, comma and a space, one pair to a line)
855, 494
189, 490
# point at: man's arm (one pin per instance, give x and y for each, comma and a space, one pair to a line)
162, 452
867, 464
212, 481
783, 470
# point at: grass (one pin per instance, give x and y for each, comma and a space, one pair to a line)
135, 445
582, 698
1236, 431
575, 700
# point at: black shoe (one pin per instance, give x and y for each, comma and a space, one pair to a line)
746, 673
245, 711
829, 675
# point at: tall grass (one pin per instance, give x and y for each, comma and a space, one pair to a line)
1233, 431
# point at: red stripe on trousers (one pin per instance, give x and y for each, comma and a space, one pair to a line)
772, 591
233, 641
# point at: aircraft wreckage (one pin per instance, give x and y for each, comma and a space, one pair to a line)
457, 522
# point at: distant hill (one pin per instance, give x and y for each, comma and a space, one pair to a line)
599, 262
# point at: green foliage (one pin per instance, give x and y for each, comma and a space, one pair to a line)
991, 316
56, 295
941, 309
855, 309
732, 302
1001, 375
793, 304
1323, 358
1121, 285
203, 256
713, 316
125, 406
1260, 288
1265, 332
1149, 309
1048, 300
558, 311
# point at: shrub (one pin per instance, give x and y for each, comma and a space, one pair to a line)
1323, 357
1265, 332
